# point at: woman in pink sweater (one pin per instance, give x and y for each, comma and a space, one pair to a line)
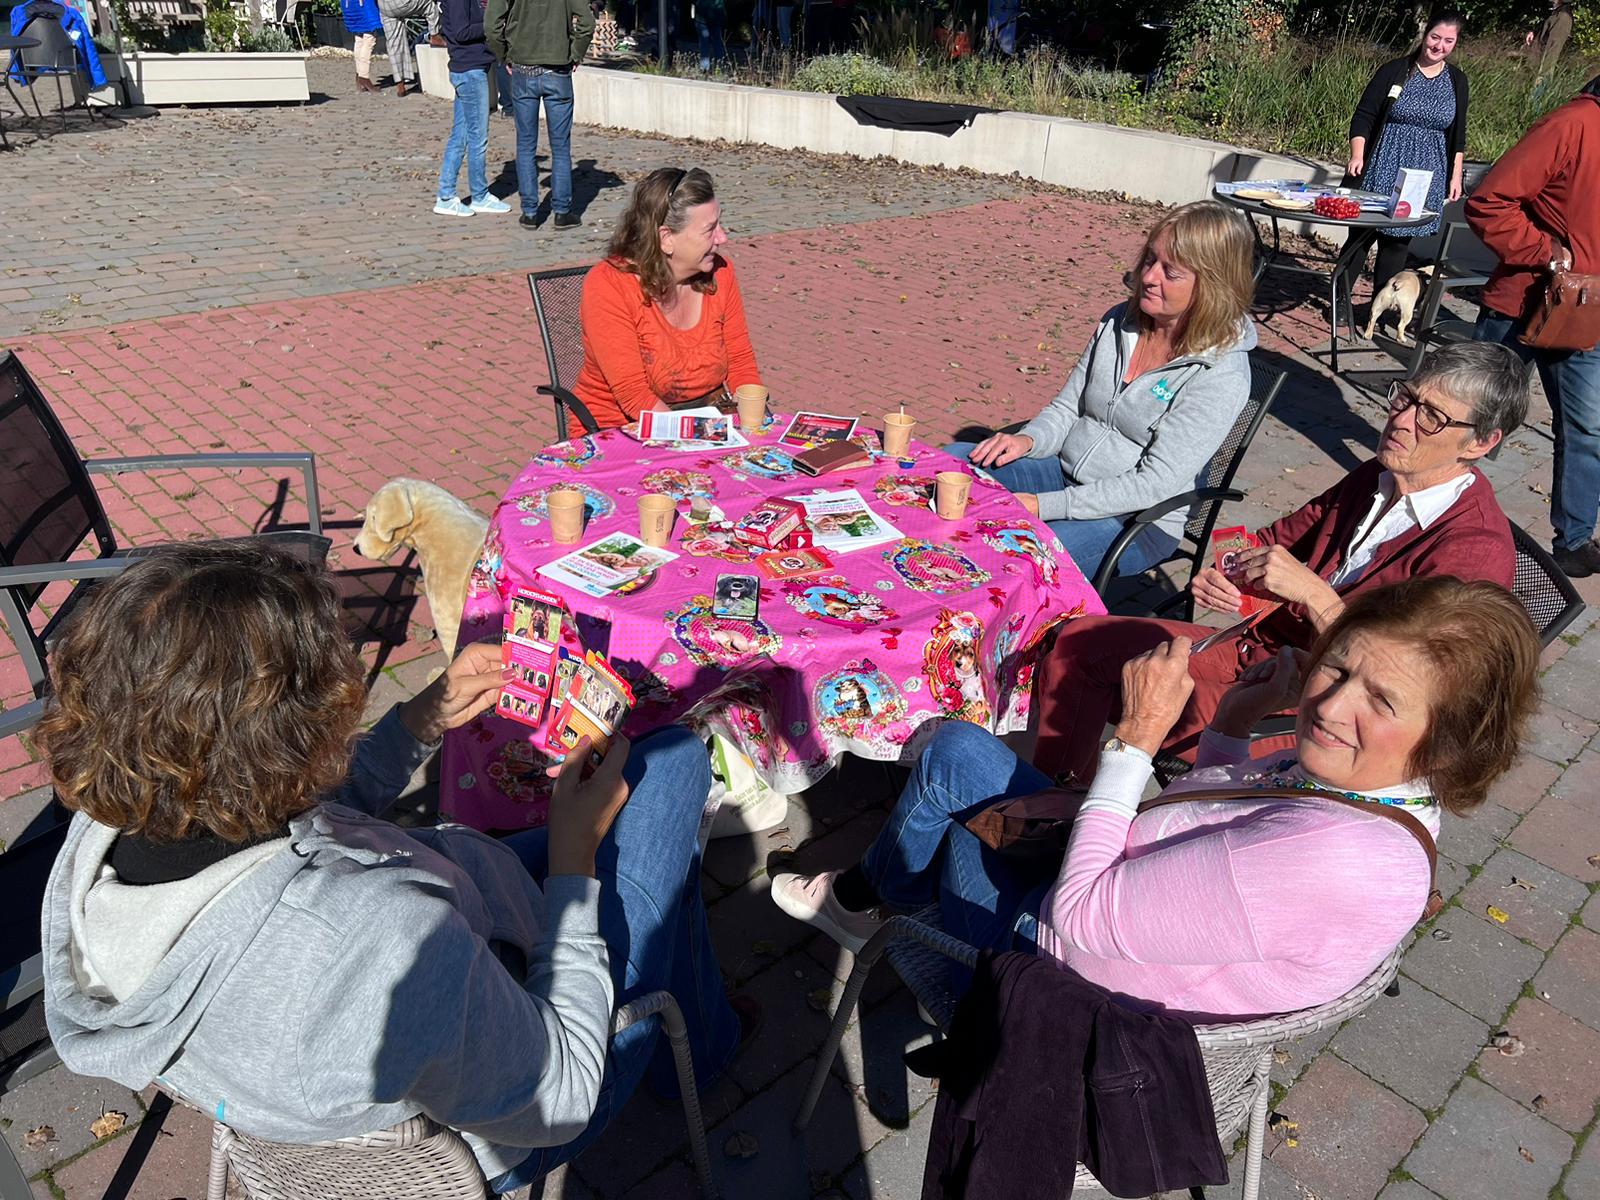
1416, 697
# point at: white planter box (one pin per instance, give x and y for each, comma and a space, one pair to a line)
159, 79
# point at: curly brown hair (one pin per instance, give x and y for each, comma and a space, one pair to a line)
208, 687
662, 199
1485, 656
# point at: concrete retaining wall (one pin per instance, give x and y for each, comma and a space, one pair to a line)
1077, 154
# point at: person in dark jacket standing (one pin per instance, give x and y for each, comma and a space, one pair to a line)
1536, 209
540, 41
470, 60
1412, 114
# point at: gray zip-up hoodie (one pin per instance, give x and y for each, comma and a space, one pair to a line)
350, 976
1128, 446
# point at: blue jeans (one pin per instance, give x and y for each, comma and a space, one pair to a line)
1571, 381
712, 49
654, 922
469, 135
1086, 541
925, 852
529, 86
502, 87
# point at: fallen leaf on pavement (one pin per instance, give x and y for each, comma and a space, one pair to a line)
819, 999
1540, 1103
1508, 1044
1498, 915
108, 1123
1523, 1150
1521, 883
34, 1139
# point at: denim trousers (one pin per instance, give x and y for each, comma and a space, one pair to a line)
712, 47
925, 852
653, 920
530, 86
1571, 381
469, 135
1086, 541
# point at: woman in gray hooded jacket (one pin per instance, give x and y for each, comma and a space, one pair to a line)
1150, 400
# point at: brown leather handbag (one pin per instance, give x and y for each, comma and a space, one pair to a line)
1567, 316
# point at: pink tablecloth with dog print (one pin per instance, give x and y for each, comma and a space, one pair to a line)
945, 623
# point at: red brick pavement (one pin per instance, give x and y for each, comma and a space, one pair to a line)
971, 315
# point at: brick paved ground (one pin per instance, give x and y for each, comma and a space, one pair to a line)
867, 284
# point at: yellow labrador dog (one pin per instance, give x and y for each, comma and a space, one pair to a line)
1401, 294
446, 534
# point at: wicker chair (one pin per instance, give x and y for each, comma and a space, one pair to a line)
556, 297
418, 1158
1238, 1057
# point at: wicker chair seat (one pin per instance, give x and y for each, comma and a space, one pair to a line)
417, 1157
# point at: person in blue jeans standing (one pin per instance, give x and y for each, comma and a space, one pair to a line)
540, 41
470, 60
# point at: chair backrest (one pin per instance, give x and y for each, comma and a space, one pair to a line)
48, 504
55, 51
1265, 384
556, 298
1463, 252
25, 1048
1542, 587
416, 1158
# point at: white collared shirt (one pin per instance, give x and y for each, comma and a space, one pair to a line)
1385, 521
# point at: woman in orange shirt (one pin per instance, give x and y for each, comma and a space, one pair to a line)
663, 321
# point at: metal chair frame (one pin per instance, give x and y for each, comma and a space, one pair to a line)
53, 42
1472, 271
432, 1160
1238, 1056
1265, 384
22, 583
553, 326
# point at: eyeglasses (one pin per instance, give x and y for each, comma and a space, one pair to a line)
1430, 420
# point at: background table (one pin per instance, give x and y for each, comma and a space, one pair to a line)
1361, 230
8, 46
945, 623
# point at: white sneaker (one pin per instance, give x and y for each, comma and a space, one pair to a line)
452, 208
490, 204
809, 899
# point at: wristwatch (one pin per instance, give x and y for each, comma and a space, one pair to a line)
1117, 746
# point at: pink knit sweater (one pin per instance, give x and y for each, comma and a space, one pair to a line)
1226, 909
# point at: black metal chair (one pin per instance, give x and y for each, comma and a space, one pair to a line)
556, 297
49, 508
55, 57
1463, 261
1204, 503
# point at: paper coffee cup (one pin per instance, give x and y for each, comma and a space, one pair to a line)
655, 518
752, 402
565, 506
897, 427
952, 490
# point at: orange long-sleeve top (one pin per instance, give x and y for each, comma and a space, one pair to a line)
633, 359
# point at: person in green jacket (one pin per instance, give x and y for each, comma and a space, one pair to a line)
540, 41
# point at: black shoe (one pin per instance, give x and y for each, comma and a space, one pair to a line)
1580, 562
528, 221
567, 220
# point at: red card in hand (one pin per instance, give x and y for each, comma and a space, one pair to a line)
1225, 547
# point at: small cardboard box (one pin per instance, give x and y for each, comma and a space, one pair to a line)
1410, 195
769, 523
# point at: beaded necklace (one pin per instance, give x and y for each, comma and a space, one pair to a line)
1286, 773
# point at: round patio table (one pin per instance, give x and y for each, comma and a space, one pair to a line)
944, 621
1361, 231
12, 43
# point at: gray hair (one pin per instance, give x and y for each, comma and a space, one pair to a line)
1485, 376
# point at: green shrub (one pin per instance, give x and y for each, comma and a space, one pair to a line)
853, 75
269, 39
222, 28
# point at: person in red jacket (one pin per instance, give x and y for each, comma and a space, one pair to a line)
1538, 208
1419, 508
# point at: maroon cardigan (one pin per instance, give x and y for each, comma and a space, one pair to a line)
1471, 540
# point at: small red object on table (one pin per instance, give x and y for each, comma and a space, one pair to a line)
770, 523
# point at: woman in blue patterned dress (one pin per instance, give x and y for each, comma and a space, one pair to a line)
1412, 114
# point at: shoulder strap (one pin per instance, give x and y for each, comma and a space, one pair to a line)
1393, 812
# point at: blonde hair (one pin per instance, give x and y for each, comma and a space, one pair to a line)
1213, 241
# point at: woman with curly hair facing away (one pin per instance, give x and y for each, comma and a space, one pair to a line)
663, 320
229, 918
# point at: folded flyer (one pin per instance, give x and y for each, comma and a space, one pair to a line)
687, 429
605, 567
592, 703
842, 521
809, 429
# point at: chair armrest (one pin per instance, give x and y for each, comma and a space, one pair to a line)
67, 572
20, 720
585, 417
300, 461
1108, 565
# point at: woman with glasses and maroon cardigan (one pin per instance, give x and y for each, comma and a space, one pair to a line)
1420, 507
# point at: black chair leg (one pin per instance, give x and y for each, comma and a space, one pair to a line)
61, 102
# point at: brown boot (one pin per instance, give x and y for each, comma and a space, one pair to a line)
400, 87
364, 84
